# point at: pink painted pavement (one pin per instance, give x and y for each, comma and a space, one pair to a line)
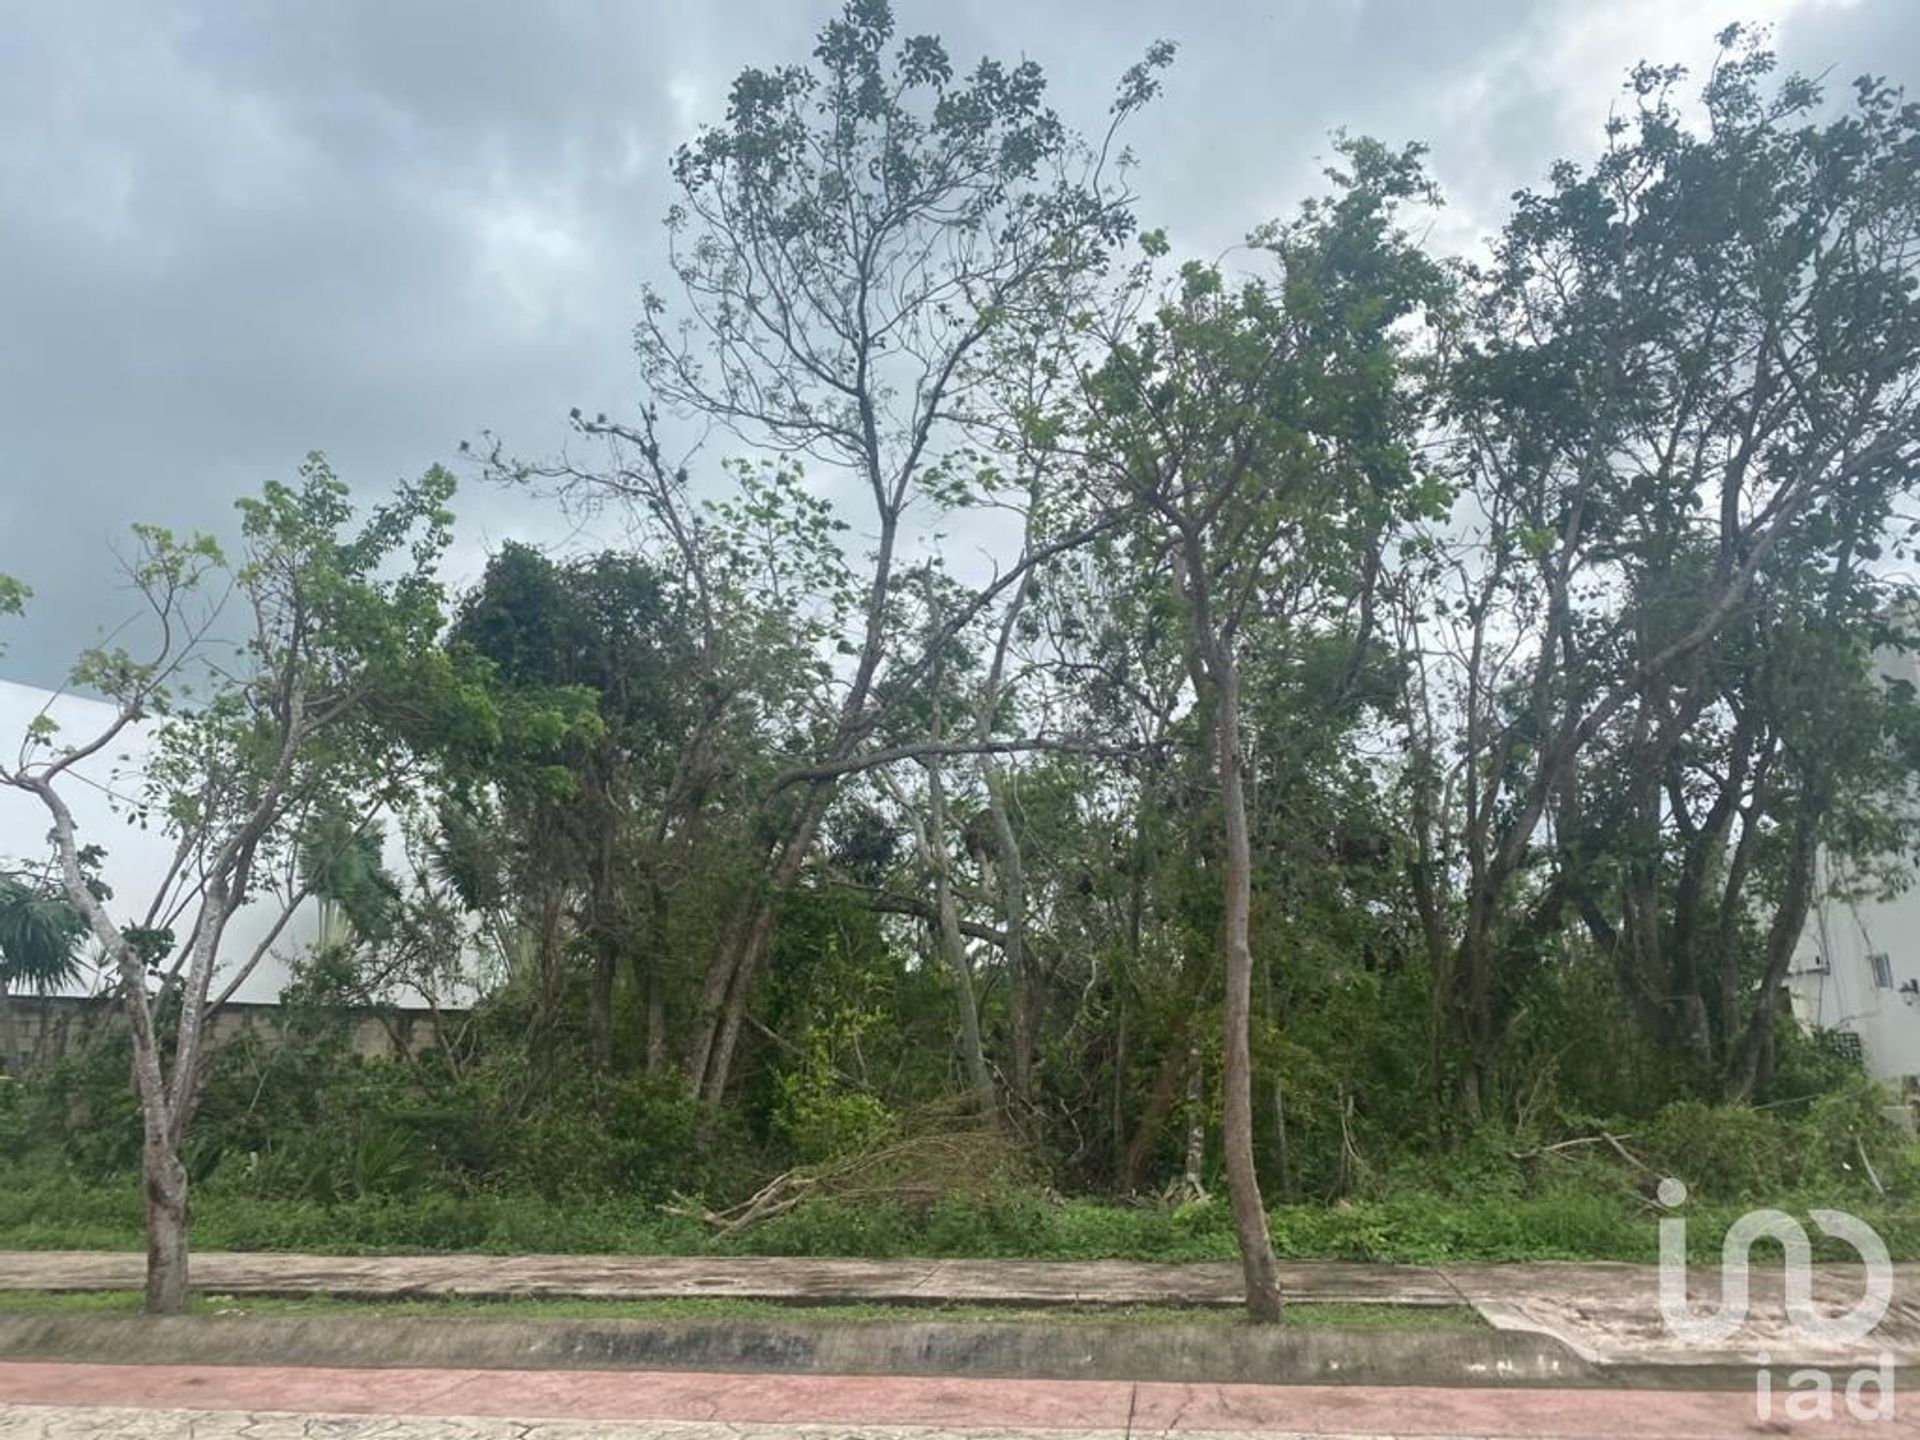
1138, 1409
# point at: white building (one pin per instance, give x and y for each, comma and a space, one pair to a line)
1857, 971
136, 859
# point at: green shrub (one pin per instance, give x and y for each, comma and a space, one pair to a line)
13, 1123
1724, 1152
653, 1138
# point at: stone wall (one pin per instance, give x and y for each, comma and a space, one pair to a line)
36, 1030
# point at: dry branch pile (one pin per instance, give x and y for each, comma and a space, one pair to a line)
914, 1171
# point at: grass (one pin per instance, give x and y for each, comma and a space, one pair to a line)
1315, 1316
45, 1211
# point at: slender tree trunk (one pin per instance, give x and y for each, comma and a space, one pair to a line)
606, 954
600, 1005
953, 946
1726, 940
1243, 1181
653, 983
165, 1183
546, 998
710, 1005
1119, 1098
720, 1063
1282, 1153
1022, 1010
1282, 1146
1193, 1178
1021, 1001
717, 1024
1472, 1008
1167, 1076
656, 1024
1789, 924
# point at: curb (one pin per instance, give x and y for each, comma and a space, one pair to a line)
1179, 1353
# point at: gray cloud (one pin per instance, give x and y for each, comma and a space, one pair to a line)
230, 233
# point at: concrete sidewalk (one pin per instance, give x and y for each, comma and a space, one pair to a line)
1606, 1314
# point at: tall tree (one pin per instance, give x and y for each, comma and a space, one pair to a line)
846, 243
1264, 433
1680, 358
610, 628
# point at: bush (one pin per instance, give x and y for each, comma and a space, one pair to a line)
1724, 1152
653, 1137
13, 1121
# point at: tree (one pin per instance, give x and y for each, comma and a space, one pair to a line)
1680, 364
1263, 434
609, 628
302, 715
846, 244
40, 936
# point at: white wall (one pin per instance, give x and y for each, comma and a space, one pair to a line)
1832, 981
1834, 986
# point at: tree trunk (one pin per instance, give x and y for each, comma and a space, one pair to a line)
1022, 1019
1282, 1147
1473, 1006
600, 1006
1166, 1079
953, 946
1118, 1119
1749, 1059
1193, 1178
606, 953
710, 1006
1022, 1016
717, 1023
720, 1065
1167, 1076
656, 1024
165, 1181
1243, 1181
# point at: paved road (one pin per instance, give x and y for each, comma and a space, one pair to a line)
261, 1403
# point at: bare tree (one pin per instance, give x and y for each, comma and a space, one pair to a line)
847, 244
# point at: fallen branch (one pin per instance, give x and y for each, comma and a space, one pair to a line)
1560, 1147
918, 1170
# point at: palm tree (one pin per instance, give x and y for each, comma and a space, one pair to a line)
40, 936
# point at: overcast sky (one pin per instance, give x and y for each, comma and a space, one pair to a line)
231, 233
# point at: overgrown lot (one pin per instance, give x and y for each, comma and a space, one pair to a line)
311, 1149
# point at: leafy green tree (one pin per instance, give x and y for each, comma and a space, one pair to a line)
307, 714
1264, 434
609, 629
40, 934
846, 244
1684, 364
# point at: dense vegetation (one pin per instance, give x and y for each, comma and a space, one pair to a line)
1347, 728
